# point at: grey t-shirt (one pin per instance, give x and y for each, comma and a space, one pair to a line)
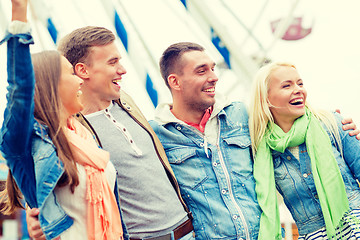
149, 202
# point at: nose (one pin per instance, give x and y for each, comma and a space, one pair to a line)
213, 77
298, 89
121, 70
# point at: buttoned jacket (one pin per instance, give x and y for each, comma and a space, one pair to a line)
294, 179
215, 177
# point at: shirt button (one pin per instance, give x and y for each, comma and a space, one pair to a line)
131, 141
305, 175
178, 128
316, 196
106, 110
201, 144
124, 103
235, 217
223, 191
288, 158
124, 129
215, 164
128, 108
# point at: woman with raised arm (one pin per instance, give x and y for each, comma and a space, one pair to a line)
53, 160
304, 154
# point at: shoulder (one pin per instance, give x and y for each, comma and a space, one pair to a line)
155, 125
237, 110
238, 105
331, 120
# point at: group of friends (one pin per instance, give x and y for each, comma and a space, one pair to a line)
90, 166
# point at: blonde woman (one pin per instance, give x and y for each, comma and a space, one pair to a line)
306, 156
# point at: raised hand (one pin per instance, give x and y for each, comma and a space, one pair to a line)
19, 10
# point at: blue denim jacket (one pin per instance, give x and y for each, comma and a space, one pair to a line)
216, 181
25, 144
295, 182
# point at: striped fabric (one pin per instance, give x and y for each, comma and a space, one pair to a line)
349, 231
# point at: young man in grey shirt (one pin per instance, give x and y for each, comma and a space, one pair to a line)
150, 197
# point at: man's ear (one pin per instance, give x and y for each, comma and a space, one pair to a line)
81, 70
173, 81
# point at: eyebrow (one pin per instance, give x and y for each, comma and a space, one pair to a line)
114, 59
204, 65
289, 81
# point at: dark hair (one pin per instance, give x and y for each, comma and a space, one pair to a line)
170, 61
76, 45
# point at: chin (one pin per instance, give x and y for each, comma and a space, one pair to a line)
116, 95
78, 108
299, 115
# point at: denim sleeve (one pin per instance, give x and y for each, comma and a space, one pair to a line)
350, 147
16, 130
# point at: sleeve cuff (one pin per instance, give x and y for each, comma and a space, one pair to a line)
18, 27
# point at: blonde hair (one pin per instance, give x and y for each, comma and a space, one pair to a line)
260, 114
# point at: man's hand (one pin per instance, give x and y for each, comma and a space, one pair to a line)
349, 124
33, 224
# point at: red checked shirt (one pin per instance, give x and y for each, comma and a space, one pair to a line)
204, 119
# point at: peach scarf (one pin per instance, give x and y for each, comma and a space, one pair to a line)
103, 217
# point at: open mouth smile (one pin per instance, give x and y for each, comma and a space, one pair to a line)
297, 101
209, 90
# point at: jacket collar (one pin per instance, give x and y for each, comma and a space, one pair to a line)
42, 131
163, 115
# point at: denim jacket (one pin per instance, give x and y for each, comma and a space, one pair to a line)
295, 182
216, 179
25, 144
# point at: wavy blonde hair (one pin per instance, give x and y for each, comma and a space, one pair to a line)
260, 114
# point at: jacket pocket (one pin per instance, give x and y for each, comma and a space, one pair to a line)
187, 166
237, 155
242, 141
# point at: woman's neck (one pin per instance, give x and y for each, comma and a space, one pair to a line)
284, 125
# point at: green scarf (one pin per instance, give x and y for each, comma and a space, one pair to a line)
329, 184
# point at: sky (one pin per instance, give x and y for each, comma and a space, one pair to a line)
328, 59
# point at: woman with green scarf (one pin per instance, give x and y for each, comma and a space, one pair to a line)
306, 156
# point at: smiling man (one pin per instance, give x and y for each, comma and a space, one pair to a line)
207, 141
150, 197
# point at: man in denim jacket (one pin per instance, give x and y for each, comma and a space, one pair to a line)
207, 141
